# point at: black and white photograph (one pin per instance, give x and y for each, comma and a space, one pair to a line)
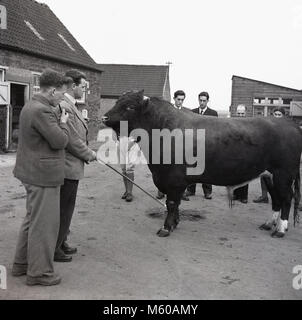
150, 151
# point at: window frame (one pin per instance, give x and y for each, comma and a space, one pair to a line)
3, 69
35, 87
85, 95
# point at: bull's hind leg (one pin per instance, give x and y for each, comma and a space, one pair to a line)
282, 224
276, 205
283, 186
172, 219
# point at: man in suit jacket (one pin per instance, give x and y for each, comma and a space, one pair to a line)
40, 167
76, 154
203, 110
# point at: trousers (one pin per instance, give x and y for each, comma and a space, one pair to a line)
39, 230
68, 195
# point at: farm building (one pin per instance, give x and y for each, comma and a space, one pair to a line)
260, 98
33, 39
120, 78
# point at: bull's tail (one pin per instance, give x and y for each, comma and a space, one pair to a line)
230, 196
297, 197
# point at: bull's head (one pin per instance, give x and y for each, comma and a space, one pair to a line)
129, 107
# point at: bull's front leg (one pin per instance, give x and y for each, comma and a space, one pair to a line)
172, 218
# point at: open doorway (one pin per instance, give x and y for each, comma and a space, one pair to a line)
18, 98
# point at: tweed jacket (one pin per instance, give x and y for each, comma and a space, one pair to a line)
42, 140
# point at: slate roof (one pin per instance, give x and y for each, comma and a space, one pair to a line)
119, 78
33, 28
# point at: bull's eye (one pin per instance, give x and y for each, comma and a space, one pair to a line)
129, 108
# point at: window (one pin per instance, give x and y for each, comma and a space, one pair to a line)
265, 106
33, 29
36, 82
2, 73
287, 101
66, 42
274, 100
85, 94
3, 17
258, 111
87, 87
259, 100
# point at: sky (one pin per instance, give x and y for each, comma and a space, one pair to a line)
207, 41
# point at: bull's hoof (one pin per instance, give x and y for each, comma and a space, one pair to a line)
265, 226
163, 232
277, 234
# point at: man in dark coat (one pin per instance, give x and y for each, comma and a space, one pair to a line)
40, 167
203, 110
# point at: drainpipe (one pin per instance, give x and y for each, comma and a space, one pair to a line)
7, 128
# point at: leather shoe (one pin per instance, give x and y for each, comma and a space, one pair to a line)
62, 257
45, 280
19, 270
243, 201
208, 196
261, 199
189, 193
67, 249
160, 195
129, 197
185, 197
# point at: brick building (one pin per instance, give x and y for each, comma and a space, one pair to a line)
35, 39
119, 78
260, 98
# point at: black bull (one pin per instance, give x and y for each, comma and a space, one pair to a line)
236, 150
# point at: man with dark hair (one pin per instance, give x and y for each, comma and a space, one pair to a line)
179, 97
40, 167
77, 153
77, 77
203, 110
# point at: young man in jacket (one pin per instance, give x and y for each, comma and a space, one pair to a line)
203, 110
77, 153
